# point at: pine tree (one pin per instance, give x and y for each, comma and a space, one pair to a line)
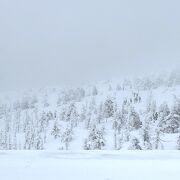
83, 114
134, 121
157, 140
135, 144
86, 145
119, 141
25, 103
94, 91
39, 145
67, 137
118, 88
14, 146
96, 139
115, 139
59, 101
45, 101
100, 115
72, 115
56, 130
151, 105
126, 134
109, 106
178, 143
117, 126
172, 122
110, 88
146, 135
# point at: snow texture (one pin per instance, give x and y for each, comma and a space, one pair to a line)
96, 165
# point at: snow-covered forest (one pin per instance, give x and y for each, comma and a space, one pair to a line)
134, 114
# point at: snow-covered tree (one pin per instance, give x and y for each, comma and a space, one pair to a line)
72, 115
45, 101
56, 130
118, 88
100, 113
134, 121
95, 140
135, 144
109, 107
59, 100
146, 136
94, 91
171, 123
25, 103
38, 142
178, 143
157, 140
67, 137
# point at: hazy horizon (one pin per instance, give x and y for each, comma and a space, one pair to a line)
54, 43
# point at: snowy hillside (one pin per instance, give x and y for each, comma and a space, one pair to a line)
136, 113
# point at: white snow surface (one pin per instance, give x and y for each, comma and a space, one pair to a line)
89, 165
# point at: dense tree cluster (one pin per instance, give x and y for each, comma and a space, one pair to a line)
32, 121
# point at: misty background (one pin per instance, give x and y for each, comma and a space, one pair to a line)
49, 43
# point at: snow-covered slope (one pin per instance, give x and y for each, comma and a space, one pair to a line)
139, 113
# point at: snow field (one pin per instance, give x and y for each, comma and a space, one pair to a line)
88, 165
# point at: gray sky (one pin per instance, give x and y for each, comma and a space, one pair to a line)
55, 42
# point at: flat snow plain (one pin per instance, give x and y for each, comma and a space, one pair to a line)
89, 165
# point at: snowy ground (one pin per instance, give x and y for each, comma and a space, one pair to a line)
88, 165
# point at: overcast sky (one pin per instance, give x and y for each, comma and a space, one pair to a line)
55, 42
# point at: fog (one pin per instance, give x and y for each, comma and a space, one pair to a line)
50, 43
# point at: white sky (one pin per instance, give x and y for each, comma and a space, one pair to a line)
55, 42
